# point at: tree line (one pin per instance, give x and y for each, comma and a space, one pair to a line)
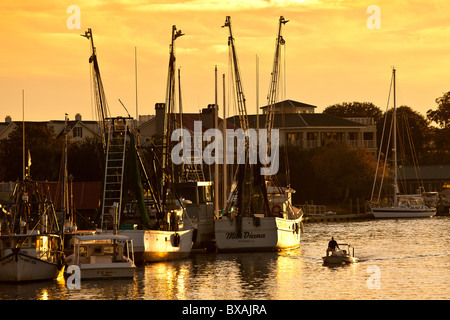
331, 174
337, 173
44, 151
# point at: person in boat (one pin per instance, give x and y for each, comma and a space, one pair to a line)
332, 245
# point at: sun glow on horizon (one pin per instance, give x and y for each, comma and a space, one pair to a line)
331, 55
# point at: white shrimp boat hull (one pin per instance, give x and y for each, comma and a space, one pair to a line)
271, 234
156, 245
399, 212
21, 267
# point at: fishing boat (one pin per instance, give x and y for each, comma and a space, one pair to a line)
279, 230
138, 196
259, 214
401, 205
103, 256
30, 239
341, 257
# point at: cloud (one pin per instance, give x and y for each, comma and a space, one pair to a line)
217, 5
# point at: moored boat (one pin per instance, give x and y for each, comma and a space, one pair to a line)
259, 214
103, 256
401, 205
279, 231
408, 206
30, 241
129, 184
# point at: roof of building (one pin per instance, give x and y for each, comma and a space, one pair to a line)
189, 119
298, 120
290, 103
437, 172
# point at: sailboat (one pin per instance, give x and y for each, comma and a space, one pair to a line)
401, 205
30, 237
259, 215
144, 206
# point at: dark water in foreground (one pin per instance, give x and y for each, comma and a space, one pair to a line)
399, 259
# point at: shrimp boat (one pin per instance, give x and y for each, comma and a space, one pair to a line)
341, 257
103, 256
259, 215
401, 205
30, 240
280, 230
140, 199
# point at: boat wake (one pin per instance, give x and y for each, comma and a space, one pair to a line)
420, 256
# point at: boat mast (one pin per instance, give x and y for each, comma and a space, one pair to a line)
272, 97
243, 119
168, 114
394, 127
102, 107
180, 112
239, 89
23, 134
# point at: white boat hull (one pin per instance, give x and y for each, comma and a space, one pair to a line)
267, 234
399, 212
20, 267
107, 270
156, 245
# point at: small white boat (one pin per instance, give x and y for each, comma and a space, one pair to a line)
103, 256
402, 205
341, 256
408, 206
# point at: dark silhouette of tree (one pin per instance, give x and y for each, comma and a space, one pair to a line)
412, 133
44, 147
442, 114
355, 110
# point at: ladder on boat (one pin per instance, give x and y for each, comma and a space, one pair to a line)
114, 172
194, 170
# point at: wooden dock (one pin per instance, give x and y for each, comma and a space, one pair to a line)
337, 217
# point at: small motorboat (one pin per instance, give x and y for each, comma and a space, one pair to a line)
340, 257
103, 256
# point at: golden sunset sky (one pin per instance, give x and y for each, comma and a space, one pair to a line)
331, 54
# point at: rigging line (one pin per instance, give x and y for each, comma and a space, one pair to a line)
414, 156
381, 144
386, 158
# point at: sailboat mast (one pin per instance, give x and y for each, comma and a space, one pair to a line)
216, 162
394, 127
224, 134
23, 133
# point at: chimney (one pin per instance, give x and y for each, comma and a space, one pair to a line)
159, 117
208, 116
8, 119
78, 117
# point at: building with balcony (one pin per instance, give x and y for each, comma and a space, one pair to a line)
300, 126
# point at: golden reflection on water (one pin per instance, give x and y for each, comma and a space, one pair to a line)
410, 268
167, 280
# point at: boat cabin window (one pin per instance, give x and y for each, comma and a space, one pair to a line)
97, 250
